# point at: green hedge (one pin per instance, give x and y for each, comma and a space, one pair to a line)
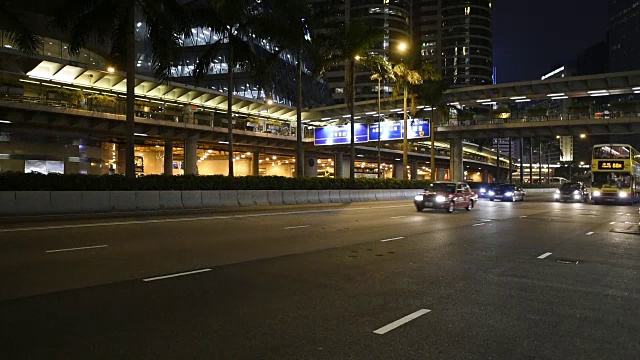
54, 182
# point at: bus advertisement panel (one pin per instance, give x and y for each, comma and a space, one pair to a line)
615, 175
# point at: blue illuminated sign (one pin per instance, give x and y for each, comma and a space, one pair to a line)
335, 135
393, 130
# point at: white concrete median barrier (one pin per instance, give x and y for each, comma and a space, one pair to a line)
7, 203
211, 199
382, 195
275, 197
170, 200
313, 196
147, 200
344, 196
191, 199
325, 196
122, 200
334, 196
229, 198
301, 197
66, 202
288, 197
95, 201
261, 197
245, 198
32, 202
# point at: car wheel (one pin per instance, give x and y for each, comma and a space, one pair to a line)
522, 198
452, 207
470, 206
419, 208
491, 199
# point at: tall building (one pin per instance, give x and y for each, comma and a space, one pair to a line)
624, 32
454, 35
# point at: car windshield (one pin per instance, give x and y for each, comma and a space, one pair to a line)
506, 187
442, 187
570, 186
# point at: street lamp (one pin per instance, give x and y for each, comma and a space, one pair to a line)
111, 69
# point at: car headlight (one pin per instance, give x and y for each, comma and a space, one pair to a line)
483, 190
558, 192
419, 197
491, 193
596, 193
440, 198
556, 195
623, 194
508, 193
576, 192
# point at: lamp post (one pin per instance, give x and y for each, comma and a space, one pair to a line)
379, 129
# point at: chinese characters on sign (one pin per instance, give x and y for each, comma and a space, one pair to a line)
388, 130
611, 165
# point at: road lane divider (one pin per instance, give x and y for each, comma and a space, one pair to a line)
612, 223
397, 217
589, 233
393, 239
176, 275
296, 227
396, 324
544, 255
480, 224
77, 248
160, 221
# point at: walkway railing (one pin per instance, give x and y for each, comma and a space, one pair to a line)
537, 119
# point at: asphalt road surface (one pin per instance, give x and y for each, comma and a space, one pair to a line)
359, 281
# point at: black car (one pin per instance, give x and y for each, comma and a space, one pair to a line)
572, 191
480, 188
506, 192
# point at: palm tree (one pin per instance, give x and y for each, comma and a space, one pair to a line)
286, 23
406, 78
430, 92
16, 29
382, 71
348, 44
231, 20
114, 21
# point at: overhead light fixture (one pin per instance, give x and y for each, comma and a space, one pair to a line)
559, 97
482, 101
223, 142
138, 134
523, 100
370, 113
325, 119
5, 122
597, 92
555, 95
518, 97
600, 94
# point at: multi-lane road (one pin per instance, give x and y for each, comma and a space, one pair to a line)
360, 281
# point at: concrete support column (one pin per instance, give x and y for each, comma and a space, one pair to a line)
310, 166
440, 174
191, 155
397, 170
414, 169
168, 157
338, 171
456, 160
255, 163
121, 160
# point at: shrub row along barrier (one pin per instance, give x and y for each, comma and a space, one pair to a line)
17, 203
55, 182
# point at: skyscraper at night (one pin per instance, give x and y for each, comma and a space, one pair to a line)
453, 35
624, 32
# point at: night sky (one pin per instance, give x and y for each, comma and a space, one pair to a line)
532, 37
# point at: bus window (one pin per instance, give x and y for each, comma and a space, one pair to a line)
611, 180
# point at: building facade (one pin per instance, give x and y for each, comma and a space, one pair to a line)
624, 31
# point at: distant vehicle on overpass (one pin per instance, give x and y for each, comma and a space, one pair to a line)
615, 173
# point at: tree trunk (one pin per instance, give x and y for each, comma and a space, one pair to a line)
432, 133
405, 142
130, 166
351, 101
379, 131
299, 148
230, 66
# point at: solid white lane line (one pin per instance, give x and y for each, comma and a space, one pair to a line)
485, 220
611, 223
479, 224
78, 248
385, 329
628, 214
619, 213
159, 221
396, 217
296, 227
393, 239
176, 275
522, 217
544, 255
590, 233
